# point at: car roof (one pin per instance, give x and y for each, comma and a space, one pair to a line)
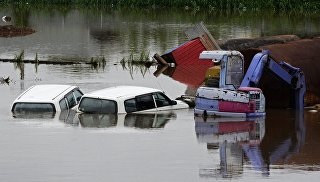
44, 93
118, 92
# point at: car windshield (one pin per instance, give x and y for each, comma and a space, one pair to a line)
33, 107
93, 105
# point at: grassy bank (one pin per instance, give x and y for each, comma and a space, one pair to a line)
311, 6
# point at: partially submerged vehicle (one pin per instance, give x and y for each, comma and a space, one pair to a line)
49, 98
233, 94
128, 99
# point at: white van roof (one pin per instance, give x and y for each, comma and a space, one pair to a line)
44, 93
118, 92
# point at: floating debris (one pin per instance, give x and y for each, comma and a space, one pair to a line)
4, 80
6, 18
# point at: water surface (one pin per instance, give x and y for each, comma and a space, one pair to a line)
161, 147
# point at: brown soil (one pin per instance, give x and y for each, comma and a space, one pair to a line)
13, 31
301, 53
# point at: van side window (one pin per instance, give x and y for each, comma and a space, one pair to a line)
130, 105
161, 99
71, 100
145, 102
63, 104
78, 94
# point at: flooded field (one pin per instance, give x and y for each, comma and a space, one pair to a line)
176, 146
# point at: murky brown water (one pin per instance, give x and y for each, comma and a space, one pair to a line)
162, 147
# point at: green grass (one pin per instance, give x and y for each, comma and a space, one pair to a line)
20, 57
98, 62
135, 63
197, 5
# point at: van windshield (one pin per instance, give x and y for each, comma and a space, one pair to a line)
93, 105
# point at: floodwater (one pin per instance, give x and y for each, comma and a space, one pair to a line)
175, 146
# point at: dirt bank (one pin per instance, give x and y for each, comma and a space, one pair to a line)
302, 53
13, 31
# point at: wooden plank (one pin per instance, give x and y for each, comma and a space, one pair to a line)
159, 70
159, 59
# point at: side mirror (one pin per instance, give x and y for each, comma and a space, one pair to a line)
173, 102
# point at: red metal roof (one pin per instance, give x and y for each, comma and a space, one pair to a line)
187, 53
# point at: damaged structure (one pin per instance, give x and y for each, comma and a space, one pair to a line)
191, 71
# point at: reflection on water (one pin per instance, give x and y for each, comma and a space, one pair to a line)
237, 139
142, 121
98, 120
65, 116
72, 118
259, 143
285, 136
241, 145
145, 121
34, 115
85, 33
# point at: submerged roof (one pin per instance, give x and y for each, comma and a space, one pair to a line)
120, 91
44, 92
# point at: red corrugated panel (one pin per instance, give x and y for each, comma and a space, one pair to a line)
188, 53
191, 75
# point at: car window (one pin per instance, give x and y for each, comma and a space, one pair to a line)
77, 94
71, 100
63, 104
145, 102
161, 99
92, 105
130, 105
33, 107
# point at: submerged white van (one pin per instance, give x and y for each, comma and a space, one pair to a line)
128, 99
47, 98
